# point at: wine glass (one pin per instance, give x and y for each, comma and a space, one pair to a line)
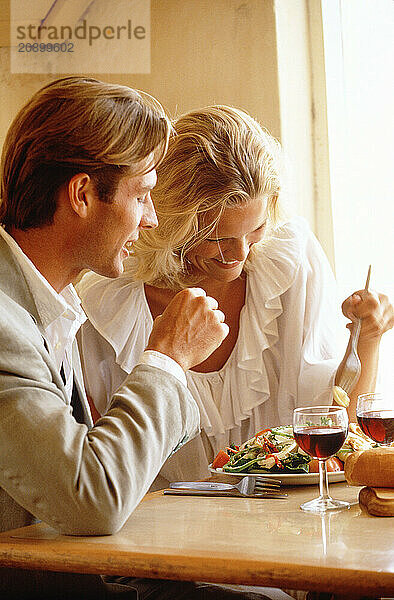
375, 415
320, 431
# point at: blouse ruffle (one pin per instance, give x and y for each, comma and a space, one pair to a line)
118, 309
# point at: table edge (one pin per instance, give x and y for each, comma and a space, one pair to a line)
46, 555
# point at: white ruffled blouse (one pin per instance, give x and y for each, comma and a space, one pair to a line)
285, 356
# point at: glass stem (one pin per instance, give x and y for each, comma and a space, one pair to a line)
323, 479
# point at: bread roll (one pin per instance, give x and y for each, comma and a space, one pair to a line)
373, 467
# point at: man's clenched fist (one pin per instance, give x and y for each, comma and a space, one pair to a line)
190, 328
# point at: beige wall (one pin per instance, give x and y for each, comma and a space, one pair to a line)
203, 51
254, 54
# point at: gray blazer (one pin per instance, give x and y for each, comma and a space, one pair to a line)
80, 481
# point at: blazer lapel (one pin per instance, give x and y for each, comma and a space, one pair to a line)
14, 285
13, 282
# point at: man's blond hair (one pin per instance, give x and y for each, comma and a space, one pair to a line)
75, 125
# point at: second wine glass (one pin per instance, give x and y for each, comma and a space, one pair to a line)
375, 415
320, 431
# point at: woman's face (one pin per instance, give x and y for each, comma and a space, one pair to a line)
222, 256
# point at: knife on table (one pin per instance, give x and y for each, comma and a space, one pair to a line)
234, 494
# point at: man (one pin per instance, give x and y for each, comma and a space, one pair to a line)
77, 169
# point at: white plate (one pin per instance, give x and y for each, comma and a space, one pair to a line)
288, 478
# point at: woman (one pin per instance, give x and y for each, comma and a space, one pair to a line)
221, 227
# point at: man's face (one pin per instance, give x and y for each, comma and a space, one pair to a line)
115, 226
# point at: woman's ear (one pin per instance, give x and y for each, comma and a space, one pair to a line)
81, 192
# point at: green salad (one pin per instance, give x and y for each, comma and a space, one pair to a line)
269, 451
275, 450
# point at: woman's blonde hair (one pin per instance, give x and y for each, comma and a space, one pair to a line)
219, 157
76, 125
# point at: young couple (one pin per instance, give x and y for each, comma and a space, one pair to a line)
223, 313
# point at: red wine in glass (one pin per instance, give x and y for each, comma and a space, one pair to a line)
320, 431
378, 425
320, 441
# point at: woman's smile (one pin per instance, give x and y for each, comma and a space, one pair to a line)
224, 264
223, 257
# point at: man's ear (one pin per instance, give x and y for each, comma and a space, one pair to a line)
81, 192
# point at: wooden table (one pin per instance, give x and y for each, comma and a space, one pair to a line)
228, 540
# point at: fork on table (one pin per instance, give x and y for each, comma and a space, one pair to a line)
248, 486
352, 369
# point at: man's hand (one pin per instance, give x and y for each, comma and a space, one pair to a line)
190, 328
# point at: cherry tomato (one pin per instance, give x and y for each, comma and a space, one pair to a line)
220, 460
332, 464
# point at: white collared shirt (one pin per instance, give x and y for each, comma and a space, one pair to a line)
61, 316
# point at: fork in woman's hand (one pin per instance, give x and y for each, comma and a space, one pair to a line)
352, 368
